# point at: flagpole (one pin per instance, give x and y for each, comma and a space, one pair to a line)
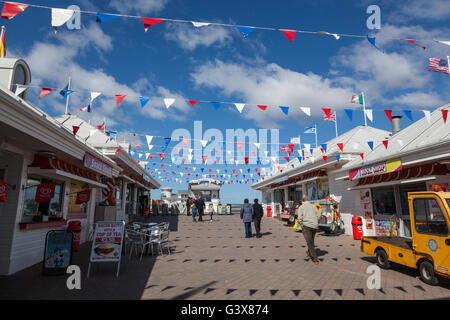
67, 97
315, 132
364, 109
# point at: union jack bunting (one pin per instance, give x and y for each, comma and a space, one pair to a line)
330, 117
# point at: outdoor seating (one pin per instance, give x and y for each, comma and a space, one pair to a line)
138, 239
161, 238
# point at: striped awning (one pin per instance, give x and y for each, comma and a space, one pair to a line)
45, 162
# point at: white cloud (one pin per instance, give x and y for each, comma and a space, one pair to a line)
423, 9
139, 6
419, 99
189, 37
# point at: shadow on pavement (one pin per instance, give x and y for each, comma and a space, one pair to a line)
193, 291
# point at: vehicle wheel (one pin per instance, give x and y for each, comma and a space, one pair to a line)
382, 259
427, 274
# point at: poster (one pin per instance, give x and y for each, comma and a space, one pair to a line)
75, 187
107, 244
58, 251
386, 228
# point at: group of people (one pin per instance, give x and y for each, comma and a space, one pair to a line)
196, 206
308, 217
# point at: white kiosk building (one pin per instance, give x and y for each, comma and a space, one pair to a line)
209, 189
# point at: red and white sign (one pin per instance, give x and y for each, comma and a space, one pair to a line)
3, 191
107, 245
83, 196
95, 164
45, 192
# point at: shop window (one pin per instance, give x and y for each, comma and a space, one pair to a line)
383, 200
311, 190
428, 217
404, 195
322, 188
298, 193
52, 208
2, 174
277, 196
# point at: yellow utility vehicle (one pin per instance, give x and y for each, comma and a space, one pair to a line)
428, 249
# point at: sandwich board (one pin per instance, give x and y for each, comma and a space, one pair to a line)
107, 243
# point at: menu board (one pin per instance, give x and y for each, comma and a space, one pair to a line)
107, 244
58, 252
366, 204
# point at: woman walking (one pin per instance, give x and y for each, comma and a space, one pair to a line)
247, 218
211, 211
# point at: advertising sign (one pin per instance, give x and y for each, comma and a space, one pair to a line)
45, 192
107, 243
3, 191
95, 164
375, 169
58, 252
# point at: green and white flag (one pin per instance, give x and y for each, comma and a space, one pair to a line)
357, 99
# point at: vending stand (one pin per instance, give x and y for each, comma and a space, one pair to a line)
107, 243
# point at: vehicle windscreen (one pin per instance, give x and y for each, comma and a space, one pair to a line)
448, 202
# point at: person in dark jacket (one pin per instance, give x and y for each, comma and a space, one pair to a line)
258, 214
200, 204
247, 218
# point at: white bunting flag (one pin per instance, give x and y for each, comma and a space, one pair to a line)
228, 151
147, 154
266, 153
427, 115
20, 89
445, 42
94, 95
200, 24
140, 155
299, 152
149, 141
168, 102
257, 145
204, 142
132, 153
306, 110
190, 150
194, 168
189, 158
307, 146
237, 161
369, 114
61, 16
240, 106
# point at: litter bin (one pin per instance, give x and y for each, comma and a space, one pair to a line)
228, 208
357, 228
219, 209
75, 227
269, 211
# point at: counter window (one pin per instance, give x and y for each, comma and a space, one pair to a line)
50, 208
428, 217
383, 200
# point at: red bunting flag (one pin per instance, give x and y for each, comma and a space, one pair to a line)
75, 130
246, 160
44, 92
291, 146
290, 34
256, 169
259, 174
101, 126
11, 9
239, 144
210, 170
262, 107
119, 98
254, 153
341, 146
162, 164
193, 102
137, 145
151, 156
183, 160
287, 158
177, 150
161, 156
234, 171
444, 114
204, 158
388, 114
325, 158
385, 142
362, 155
327, 112
150, 22
185, 142
414, 43
118, 150
185, 168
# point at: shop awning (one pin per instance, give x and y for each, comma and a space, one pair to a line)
405, 174
315, 174
56, 167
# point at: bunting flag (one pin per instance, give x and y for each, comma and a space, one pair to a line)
341, 146
300, 159
349, 113
427, 115
137, 145
284, 109
94, 95
245, 30
361, 155
388, 114
262, 107
60, 17
204, 160
290, 34
150, 22
414, 43
44, 92
291, 147
216, 105
385, 142
185, 142
240, 106
143, 100
246, 160
369, 114
101, 126
324, 147
444, 114
193, 102
75, 130
306, 110
239, 144
166, 142
204, 142
338, 158
287, 159
325, 158
119, 98
168, 102
103, 17
11, 9
149, 141
66, 91
370, 143
408, 114
161, 156
327, 112
372, 42
257, 144
200, 24
20, 89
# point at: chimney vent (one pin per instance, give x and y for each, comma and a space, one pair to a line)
396, 124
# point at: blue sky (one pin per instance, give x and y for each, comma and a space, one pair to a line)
218, 64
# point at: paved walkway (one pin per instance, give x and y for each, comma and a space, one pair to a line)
215, 261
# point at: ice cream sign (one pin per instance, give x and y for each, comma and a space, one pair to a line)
95, 164
375, 169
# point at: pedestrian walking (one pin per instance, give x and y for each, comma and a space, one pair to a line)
194, 212
188, 206
258, 214
247, 218
200, 207
211, 212
308, 217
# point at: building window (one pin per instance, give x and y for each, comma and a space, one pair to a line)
311, 190
51, 208
428, 217
298, 193
118, 189
383, 200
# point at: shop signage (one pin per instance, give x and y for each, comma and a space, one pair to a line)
3, 191
375, 169
45, 192
95, 164
83, 196
107, 244
58, 252
281, 179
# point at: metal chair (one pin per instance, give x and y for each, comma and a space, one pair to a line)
161, 238
138, 239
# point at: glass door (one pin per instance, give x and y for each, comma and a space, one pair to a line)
404, 205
